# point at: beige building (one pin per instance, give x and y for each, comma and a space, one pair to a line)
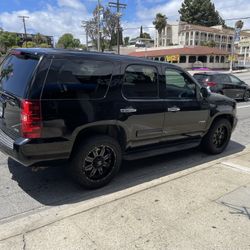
188, 57
195, 35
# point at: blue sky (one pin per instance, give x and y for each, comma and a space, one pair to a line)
56, 17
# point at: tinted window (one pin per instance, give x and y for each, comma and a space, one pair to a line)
223, 78
179, 85
140, 81
201, 78
235, 79
16, 72
77, 79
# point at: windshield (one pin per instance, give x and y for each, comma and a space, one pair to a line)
16, 72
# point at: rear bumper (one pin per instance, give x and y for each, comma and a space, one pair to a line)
31, 152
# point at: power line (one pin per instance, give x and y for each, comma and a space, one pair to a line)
237, 18
24, 26
118, 7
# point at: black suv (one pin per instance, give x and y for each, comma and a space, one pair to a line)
96, 109
225, 84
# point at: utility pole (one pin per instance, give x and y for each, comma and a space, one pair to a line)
24, 26
118, 6
98, 27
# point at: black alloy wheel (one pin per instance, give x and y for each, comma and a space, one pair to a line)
96, 161
99, 162
218, 137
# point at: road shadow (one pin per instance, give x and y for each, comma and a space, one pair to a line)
53, 187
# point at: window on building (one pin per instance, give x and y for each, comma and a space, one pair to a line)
192, 59
140, 81
183, 59
202, 59
217, 59
211, 60
222, 60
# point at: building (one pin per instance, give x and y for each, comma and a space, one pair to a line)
188, 57
196, 35
168, 37
243, 51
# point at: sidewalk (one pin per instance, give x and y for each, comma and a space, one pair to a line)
206, 207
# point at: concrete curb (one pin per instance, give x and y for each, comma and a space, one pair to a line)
45, 217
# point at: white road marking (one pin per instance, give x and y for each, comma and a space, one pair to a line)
237, 167
243, 107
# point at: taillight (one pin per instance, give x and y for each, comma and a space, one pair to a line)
211, 84
31, 119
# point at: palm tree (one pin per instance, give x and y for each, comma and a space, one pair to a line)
160, 22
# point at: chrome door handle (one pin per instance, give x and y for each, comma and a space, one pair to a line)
173, 109
128, 110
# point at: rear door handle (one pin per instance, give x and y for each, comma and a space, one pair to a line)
174, 109
128, 110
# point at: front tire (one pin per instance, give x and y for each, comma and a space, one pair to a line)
246, 96
218, 137
96, 161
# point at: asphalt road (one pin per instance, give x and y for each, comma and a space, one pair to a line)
24, 192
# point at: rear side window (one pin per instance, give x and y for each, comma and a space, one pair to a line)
16, 72
140, 81
75, 78
201, 78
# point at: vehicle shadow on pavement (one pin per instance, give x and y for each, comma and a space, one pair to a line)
52, 186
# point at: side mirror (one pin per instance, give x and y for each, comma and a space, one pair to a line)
204, 92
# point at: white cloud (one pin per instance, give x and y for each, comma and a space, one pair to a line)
54, 21
74, 4
234, 9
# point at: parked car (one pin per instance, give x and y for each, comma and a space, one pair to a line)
94, 110
225, 84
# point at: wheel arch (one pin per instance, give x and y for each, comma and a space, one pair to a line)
110, 129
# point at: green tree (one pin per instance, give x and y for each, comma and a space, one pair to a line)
29, 44
108, 35
8, 40
126, 40
200, 12
141, 32
68, 41
160, 23
44, 45
145, 35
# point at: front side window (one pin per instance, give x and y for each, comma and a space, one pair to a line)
222, 78
179, 85
140, 81
235, 80
75, 78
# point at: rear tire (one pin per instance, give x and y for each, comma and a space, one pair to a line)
218, 137
96, 161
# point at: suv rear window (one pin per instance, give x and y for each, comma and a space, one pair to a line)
201, 78
75, 78
16, 72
